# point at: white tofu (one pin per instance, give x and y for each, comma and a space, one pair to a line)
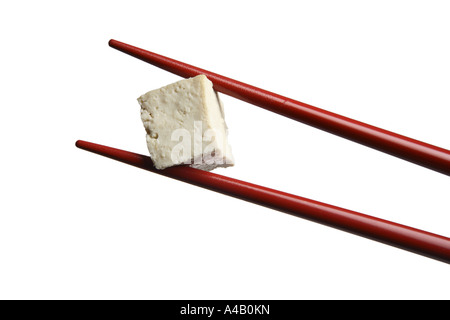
185, 124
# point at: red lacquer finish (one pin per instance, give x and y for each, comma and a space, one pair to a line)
414, 240
420, 153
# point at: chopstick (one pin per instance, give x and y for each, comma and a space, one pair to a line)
418, 152
414, 240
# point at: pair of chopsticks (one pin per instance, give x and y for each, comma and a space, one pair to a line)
411, 239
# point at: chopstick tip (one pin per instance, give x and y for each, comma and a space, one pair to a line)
80, 144
112, 43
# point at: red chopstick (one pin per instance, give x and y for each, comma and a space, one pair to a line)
421, 242
420, 153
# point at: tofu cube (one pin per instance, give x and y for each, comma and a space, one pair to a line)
184, 123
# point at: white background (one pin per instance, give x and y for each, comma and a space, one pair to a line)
74, 225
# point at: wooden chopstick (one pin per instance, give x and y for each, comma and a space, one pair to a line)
420, 153
414, 240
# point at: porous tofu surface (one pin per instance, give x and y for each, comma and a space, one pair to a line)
184, 123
